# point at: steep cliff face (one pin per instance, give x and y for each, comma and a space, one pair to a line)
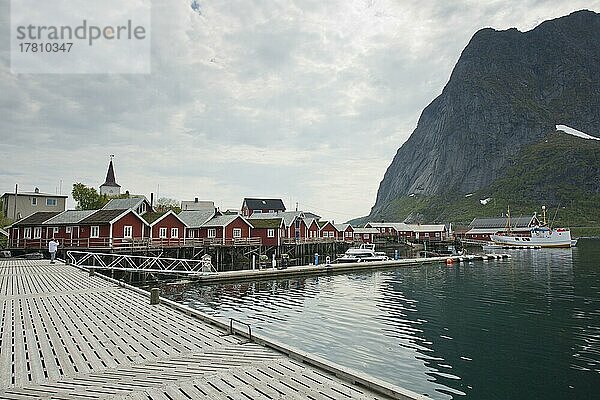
509, 89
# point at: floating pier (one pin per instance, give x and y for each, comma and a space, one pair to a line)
67, 333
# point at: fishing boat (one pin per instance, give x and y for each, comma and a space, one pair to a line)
541, 236
366, 252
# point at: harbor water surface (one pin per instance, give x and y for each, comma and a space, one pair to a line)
523, 328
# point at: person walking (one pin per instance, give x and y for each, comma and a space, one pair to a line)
52, 248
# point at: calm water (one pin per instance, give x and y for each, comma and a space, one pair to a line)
524, 328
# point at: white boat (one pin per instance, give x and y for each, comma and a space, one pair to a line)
537, 236
366, 252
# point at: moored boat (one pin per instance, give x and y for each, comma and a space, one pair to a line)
538, 236
366, 252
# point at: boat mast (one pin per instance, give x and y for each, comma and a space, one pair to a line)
508, 220
544, 214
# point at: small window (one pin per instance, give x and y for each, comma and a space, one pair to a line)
95, 232
68, 229
34, 201
366, 236
270, 233
27, 233
426, 234
174, 233
37, 233
55, 230
437, 234
212, 232
51, 202
271, 211
237, 232
128, 231
162, 233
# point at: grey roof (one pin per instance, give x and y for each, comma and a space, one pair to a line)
288, 216
490, 231
264, 204
35, 194
360, 231
398, 226
224, 220
341, 227
310, 221
102, 216
427, 228
69, 217
36, 218
520, 222
125, 204
195, 219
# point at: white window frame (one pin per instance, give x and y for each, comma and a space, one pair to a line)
34, 201
37, 232
68, 229
162, 233
94, 231
212, 233
26, 233
237, 233
270, 233
174, 233
127, 232
49, 200
55, 230
366, 236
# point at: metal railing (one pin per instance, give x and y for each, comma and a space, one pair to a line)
125, 262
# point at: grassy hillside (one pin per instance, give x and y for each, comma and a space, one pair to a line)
561, 172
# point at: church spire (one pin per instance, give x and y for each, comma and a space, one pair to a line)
110, 185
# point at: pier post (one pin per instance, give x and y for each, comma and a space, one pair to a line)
155, 296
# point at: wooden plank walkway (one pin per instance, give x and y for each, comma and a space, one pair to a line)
67, 335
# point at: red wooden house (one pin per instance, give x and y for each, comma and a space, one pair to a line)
311, 228
165, 228
327, 230
227, 228
195, 220
365, 235
271, 231
112, 228
345, 232
29, 232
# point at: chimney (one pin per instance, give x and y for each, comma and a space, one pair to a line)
195, 199
151, 200
36, 190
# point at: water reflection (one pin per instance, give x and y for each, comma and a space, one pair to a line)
528, 327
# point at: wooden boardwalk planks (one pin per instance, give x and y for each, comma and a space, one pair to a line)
67, 335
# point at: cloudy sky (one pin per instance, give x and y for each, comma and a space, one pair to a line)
304, 100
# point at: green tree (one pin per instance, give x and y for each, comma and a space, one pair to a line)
166, 204
88, 198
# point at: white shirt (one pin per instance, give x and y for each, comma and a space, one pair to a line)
52, 246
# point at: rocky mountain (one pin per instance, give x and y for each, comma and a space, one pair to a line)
508, 90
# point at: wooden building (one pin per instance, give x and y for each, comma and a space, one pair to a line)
345, 232
24, 204
327, 230
271, 231
29, 232
252, 206
165, 228
482, 228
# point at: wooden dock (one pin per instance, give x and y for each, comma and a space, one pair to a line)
324, 269
66, 334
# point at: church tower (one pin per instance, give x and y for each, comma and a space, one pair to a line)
110, 186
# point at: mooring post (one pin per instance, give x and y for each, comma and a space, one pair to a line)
155, 296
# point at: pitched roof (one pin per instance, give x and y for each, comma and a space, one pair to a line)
152, 216
195, 219
70, 217
288, 216
398, 226
342, 227
35, 194
322, 224
309, 222
224, 220
129, 203
110, 176
37, 218
264, 204
272, 223
365, 230
427, 228
520, 222
103, 216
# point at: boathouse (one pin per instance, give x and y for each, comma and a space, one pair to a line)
66, 228
252, 206
112, 228
195, 220
227, 229
327, 230
399, 230
429, 233
271, 231
365, 235
165, 228
29, 232
311, 228
345, 232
